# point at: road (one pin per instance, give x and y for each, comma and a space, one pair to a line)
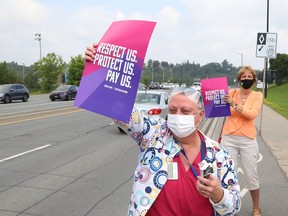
58, 160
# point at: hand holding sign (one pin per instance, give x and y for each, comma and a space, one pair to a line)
113, 69
213, 92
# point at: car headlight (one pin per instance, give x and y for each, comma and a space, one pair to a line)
1, 94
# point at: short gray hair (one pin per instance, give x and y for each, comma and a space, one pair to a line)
193, 94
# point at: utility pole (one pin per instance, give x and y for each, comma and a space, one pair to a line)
266, 60
152, 72
23, 71
264, 87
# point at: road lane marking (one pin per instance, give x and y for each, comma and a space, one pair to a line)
41, 117
28, 113
240, 170
243, 192
260, 158
23, 153
29, 106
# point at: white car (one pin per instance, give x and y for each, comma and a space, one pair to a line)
167, 86
152, 103
260, 85
196, 85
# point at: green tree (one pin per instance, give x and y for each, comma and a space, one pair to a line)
149, 63
50, 69
7, 75
226, 65
145, 80
280, 67
75, 70
165, 64
32, 80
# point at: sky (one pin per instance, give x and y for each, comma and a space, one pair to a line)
199, 31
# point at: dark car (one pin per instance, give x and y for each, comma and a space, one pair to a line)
64, 92
154, 85
9, 92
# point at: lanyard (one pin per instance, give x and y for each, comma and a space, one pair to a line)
196, 174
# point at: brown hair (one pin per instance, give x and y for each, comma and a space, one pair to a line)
242, 71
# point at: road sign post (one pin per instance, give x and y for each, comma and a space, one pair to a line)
266, 45
266, 48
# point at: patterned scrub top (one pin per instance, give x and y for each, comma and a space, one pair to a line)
157, 147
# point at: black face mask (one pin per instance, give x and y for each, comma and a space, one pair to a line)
247, 83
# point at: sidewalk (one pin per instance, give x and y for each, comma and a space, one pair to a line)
274, 131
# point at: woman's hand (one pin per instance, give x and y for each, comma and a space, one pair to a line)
90, 53
210, 188
228, 99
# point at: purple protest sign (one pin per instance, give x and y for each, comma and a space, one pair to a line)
213, 91
109, 84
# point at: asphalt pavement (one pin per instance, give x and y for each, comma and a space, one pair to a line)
95, 178
272, 164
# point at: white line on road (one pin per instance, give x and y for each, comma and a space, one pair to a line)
243, 192
240, 170
260, 158
23, 153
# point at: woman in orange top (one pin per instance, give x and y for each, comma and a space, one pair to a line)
239, 131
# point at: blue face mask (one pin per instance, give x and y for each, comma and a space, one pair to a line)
247, 83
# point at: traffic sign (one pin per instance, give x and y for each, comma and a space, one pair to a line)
266, 45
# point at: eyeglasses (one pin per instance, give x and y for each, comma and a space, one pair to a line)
193, 94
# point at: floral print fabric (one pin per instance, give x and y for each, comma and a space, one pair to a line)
157, 147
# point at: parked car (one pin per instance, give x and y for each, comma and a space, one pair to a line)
183, 85
141, 86
260, 85
64, 92
154, 85
10, 92
167, 86
196, 85
152, 103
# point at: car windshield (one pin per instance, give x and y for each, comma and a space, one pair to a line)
4, 87
143, 98
63, 88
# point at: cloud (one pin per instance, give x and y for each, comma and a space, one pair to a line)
198, 31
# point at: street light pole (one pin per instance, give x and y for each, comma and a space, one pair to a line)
152, 72
241, 57
38, 37
23, 71
163, 73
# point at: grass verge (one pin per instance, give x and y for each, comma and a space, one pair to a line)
277, 99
